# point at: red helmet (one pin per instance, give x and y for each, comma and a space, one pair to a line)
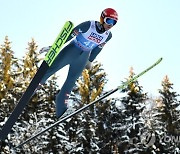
108, 13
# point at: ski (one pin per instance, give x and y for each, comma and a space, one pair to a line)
124, 85
49, 58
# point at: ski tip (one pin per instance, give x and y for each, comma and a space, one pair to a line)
160, 59
70, 22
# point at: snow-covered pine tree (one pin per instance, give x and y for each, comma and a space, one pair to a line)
30, 62
109, 124
27, 68
55, 140
29, 65
40, 111
166, 123
13, 85
8, 68
82, 127
171, 108
132, 118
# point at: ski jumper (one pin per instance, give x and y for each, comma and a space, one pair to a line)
87, 44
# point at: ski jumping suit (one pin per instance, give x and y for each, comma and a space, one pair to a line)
89, 41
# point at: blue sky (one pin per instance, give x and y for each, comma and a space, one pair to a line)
146, 31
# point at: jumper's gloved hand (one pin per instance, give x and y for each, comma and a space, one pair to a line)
88, 65
44, 49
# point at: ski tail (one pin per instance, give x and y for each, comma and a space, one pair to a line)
124, 85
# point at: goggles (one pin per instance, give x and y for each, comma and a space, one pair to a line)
110, 21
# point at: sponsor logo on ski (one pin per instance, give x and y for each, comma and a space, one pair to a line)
58, 44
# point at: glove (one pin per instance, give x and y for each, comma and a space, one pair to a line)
44, 49
88, 65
